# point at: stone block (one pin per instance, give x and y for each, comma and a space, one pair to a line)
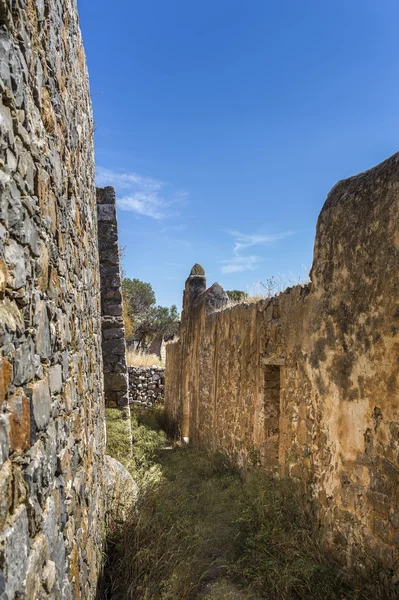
122, 492
3, 275
24, 369
116, 382
15, 541
5, 491
55, 379
106, 212
36, 560
43, 339
106, 195
115, 347
110, 256
109, 307
110, 277
50, 525
49, 574
5, 379
113, 294
114, 333
4, 437
41, 403
15, 259
19, 407
111, 322
122, 399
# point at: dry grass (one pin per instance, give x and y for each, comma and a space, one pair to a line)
206, 530
135, 358
264, 291
274, 286
255, 299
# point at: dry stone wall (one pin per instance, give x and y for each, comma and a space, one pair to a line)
146, 385
308, 381
51, 393
113, 331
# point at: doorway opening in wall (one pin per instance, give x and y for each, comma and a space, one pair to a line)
271, 407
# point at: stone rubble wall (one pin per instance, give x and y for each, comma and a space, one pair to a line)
146, 385
308, 381
51, 392
113, 331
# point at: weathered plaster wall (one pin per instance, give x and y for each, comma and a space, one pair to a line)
51, 398
306, 383
146, 385
353, 356
113, 329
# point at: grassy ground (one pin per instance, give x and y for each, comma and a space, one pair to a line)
148, 438
205, 530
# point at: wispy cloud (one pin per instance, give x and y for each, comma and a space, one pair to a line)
246, 241
145, 196
238, 262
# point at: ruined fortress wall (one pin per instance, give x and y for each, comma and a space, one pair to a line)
51, 398
116, 379
226, 374
306, 383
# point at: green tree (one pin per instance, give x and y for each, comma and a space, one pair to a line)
146, 320
236, 295
166, 320
139, 295
159, 322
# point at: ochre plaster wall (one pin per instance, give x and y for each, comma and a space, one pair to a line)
307, 383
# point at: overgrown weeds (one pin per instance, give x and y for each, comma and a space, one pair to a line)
204, 529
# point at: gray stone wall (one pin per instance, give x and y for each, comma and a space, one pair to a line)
51, 393
146, 385
113, 331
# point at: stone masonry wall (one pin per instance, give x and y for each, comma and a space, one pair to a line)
51, 394
146, 385
308, 381
113, 332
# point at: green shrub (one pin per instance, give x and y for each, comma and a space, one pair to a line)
147, 441
118, 435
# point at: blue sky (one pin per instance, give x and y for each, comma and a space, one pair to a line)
223, 124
